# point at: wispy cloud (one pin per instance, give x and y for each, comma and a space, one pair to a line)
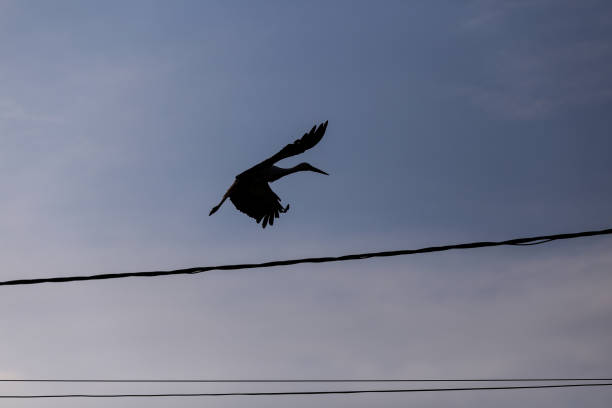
487, 12
536, 71
10, 109
540, 83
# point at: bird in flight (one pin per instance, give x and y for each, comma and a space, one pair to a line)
251, 193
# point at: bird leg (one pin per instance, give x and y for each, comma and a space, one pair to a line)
227, 194
215, 208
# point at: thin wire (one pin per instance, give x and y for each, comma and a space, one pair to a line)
471, 245
544, 241
308, 380
227, 394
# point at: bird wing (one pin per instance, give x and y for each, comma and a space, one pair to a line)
256, 199
309, 140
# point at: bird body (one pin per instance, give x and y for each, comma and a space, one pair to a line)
251, 193
256, 199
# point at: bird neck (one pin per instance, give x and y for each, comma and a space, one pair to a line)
278, 172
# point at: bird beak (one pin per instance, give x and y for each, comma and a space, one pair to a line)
318, 170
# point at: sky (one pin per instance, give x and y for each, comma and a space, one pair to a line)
122, 123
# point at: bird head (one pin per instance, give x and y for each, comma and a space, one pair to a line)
309, 167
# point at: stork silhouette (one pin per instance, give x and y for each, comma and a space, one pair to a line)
251, 193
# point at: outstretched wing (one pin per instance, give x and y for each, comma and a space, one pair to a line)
302, 144
256, 199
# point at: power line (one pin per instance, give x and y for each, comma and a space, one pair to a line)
227, 394
304, 380
517, 241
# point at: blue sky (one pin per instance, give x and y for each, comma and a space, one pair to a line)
123, 123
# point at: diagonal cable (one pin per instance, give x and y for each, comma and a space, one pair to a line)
471, 245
